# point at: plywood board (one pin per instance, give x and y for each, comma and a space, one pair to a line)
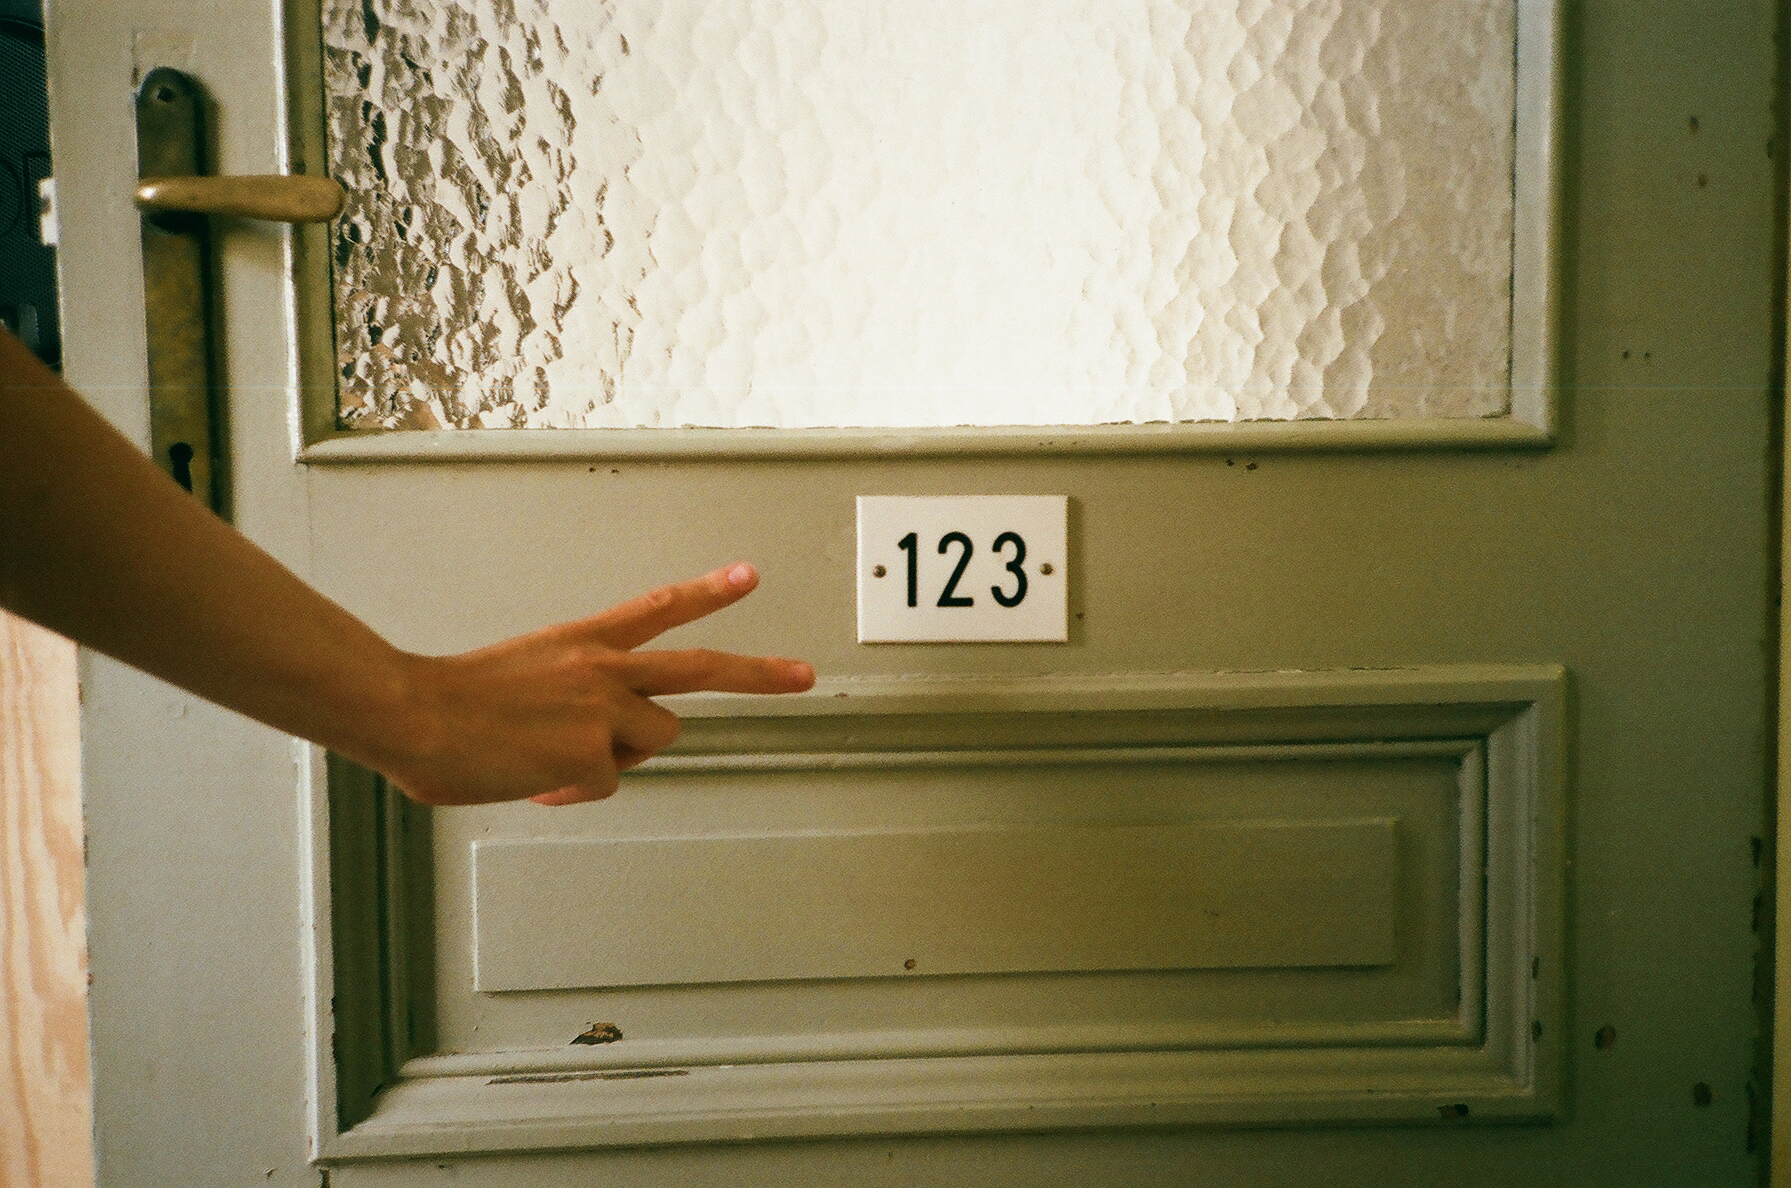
46, 1140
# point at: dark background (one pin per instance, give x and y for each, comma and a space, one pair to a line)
27, 267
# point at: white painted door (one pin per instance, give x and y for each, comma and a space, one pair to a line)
1397, 778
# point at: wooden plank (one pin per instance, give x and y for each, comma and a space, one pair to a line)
1263, 894
46, 1140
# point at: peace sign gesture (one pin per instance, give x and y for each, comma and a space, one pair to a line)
98, 544
557, 714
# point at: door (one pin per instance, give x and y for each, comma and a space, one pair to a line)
1392, 809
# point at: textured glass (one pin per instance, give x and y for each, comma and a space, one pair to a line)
801, 213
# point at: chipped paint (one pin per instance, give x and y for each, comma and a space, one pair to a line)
598, 1033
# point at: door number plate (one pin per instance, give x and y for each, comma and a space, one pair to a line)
963, 568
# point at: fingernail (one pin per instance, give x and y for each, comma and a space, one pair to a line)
741, 575
804, 673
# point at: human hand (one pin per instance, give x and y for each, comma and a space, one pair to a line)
99, 545
557, 714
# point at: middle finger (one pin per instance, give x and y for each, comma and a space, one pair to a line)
699, 670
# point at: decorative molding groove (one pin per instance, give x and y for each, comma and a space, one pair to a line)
1479, 750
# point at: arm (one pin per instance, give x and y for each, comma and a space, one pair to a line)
98, 544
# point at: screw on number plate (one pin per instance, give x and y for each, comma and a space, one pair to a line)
879, 571
1046, 569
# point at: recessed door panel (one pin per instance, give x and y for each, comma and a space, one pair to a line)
795, 907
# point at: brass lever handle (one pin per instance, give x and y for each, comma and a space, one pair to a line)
277, 198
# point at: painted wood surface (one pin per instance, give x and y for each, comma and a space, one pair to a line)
46, 1140
806, 907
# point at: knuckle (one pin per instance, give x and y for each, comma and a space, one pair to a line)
597, 664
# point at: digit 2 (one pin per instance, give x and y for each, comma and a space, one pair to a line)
949, 596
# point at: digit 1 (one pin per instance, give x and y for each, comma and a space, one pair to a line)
911, 544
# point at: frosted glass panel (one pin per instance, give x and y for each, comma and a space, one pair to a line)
907, 213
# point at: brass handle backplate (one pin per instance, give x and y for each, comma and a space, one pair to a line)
186, 432
187, 410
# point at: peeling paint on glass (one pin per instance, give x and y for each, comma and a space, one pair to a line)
808, 213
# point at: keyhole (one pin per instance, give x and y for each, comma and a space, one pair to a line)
180, 455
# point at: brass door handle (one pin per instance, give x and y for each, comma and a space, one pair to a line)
188, 413
273, 197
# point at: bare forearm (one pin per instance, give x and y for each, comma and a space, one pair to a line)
98, 544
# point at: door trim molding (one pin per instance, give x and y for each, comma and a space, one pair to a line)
1514, 432
1502, 1059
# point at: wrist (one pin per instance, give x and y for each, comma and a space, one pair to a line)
397, 731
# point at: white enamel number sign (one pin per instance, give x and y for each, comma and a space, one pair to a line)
963, 568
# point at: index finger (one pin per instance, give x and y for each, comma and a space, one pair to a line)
630, 624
